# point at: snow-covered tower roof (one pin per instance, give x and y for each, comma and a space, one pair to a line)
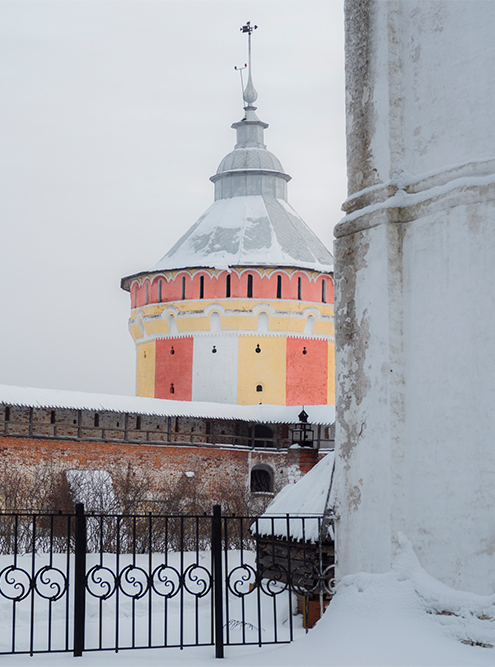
250, 222
240, 310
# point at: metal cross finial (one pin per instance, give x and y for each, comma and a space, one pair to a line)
250, 95
249, 29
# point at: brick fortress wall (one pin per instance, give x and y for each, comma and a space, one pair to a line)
199, 460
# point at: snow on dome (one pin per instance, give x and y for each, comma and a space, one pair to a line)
248, 231
250, 222
310, 499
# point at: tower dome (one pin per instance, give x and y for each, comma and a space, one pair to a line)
240, 309
249, 158
250, 223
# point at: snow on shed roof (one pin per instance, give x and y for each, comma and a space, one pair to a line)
306, 501
78, 400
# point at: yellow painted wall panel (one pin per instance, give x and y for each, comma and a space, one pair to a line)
189, 305
267, 368
145, 369
331, 372
151, 310
324, 328
237, 323
135, 332
292, 324
186, 324
156, 327
288, 318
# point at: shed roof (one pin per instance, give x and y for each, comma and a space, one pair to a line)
307, 502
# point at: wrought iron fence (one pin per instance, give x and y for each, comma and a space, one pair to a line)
86, 582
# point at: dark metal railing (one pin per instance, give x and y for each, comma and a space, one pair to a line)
87, 582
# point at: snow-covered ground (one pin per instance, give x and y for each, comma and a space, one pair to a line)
403, 617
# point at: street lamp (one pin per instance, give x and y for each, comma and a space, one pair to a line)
302, 433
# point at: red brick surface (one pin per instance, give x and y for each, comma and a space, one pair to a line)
219, 472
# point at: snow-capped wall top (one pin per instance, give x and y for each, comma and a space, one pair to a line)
78, 400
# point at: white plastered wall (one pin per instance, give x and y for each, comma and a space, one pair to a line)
415, 295
215, 374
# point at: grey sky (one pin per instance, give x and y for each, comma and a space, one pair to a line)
113, 116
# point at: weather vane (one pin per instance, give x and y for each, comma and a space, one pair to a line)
249, 94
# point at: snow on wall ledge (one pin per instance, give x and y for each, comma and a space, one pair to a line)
78, 400
415, 304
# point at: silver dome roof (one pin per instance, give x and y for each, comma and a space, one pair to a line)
250, 158
250, 222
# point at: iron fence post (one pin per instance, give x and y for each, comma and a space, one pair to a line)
216, 549
79, 580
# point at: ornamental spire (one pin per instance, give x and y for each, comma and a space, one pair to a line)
249, 94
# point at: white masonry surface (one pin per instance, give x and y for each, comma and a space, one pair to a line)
215, 375
415, 291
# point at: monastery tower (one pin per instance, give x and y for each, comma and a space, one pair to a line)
240, 310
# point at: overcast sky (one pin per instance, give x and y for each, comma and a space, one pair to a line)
113, 117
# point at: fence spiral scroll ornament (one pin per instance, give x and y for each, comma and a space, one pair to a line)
15, 583
101, 582
197, 580
308, 579
134, 582
242, 580
274, 579
50, 583
166, 581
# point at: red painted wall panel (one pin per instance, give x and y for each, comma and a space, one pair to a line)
214, 287
174, 368
307, 374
